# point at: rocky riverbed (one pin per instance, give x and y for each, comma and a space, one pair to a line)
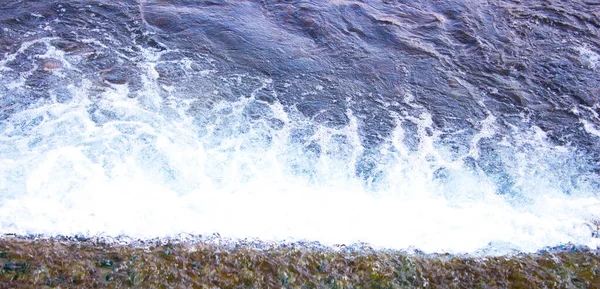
30, 262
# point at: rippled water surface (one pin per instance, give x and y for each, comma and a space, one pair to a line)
447, 126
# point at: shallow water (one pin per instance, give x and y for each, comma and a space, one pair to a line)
447, 126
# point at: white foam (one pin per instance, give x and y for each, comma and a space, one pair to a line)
145, 174
590, 128
588, 57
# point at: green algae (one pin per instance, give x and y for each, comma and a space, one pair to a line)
68, 263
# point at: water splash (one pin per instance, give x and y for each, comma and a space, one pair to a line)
103, 163
111, 137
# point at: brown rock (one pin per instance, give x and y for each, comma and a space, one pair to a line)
51, 64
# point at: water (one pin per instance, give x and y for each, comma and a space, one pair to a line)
446, 126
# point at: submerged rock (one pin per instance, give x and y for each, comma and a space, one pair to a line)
51, 64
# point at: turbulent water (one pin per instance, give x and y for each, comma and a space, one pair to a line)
446, 126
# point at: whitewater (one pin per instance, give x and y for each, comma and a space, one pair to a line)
339, 123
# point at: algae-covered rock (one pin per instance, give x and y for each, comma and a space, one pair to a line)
210, 263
